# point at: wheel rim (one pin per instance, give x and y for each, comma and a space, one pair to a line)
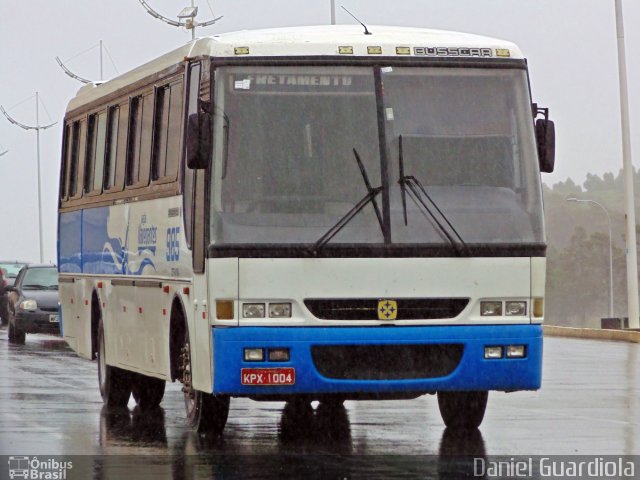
187, 387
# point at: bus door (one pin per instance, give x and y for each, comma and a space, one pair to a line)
196, 230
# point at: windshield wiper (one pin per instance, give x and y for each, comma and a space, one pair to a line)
340, 224
418, 193
34, 286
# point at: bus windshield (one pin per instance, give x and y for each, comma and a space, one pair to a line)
285, 170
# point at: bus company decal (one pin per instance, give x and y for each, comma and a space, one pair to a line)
147, 236
456, 52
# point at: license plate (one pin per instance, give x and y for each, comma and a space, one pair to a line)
54, 318
268, 376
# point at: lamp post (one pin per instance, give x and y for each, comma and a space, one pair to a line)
593, 202
37, 128
630, 219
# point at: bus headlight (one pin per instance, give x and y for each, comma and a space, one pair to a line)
279, 355
280, 310
492, 352
491, 309
516, 351
515, 309
253, 310
253, 355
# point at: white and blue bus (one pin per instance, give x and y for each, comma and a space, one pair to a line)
308, 214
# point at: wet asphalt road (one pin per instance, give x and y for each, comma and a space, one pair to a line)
50, 405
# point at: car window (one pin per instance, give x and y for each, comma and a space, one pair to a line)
12, 269
40, 278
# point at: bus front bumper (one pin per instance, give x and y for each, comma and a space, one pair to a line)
353, 361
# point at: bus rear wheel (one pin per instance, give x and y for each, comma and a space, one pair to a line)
115, 383
147, 391
206, 413
462, 409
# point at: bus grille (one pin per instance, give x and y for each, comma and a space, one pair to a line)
367, 308
386, 362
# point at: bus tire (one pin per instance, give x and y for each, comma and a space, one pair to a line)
462, 409
332, 402
209, 413
206, 413
147, 391
114, 382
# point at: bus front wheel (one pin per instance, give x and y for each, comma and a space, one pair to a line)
115, 383
462, 409
206, 413
147, 391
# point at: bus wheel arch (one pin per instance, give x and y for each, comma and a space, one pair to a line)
177, 332
205, 412
96, 316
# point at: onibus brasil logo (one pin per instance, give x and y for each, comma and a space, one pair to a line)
32, 468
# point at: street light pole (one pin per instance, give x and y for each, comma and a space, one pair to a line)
593, 202
39, 181
630, 217
37, 128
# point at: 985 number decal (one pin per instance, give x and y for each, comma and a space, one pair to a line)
173, 244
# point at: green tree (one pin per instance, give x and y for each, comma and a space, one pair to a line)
578, 280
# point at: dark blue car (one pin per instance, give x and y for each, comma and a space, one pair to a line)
34, 302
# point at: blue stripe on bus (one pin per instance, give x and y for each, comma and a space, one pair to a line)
474, 372
85, 245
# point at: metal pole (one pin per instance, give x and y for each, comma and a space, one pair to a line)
593, 202
39, 193
193, 25
630, 217
333, 12
101, 70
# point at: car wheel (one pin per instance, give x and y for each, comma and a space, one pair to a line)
462, 409
147, 391
16, 335
206, 413
115, 383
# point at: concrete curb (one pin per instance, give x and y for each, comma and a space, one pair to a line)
592, 333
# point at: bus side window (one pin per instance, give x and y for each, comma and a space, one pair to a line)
100, 148
189, 174
174, 130
77, 156
167, 132
122, 150
146, 139
111, 143
64, 168
90, 154
160, 125
133, 140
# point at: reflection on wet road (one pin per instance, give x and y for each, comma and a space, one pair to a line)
50, 405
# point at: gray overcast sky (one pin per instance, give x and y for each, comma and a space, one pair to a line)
570, 45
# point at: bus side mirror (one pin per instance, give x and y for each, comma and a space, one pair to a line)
546, 141
199, 141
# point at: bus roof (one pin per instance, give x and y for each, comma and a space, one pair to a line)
332, 40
